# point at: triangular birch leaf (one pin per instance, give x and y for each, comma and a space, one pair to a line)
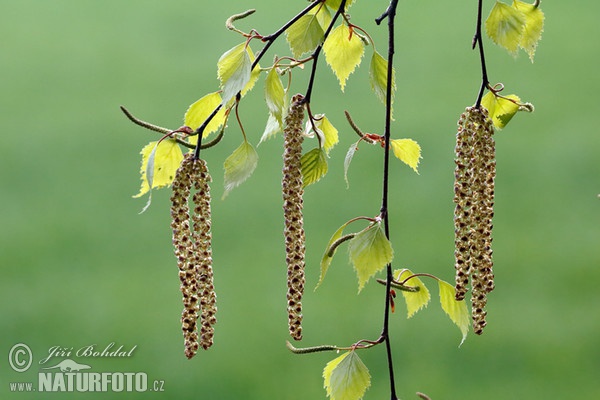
346, 377
305, 35
343, 52
275, 95
414, 300
456, 310
370, 251
199, 111
234, 71
239, 166
500, 109
271, 129
378, 77
534, 26
314, 166
408, 151
159, 163
505, 26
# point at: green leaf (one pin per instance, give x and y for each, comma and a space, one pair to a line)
414, 300
314, 166
370, 251
325, 130
305, 35
456, 310
335, 4
534, 26
500, 109
327, 258
234, 71
378, 77
408, 151
348, 160
505, 26
199, 111
343, 52
239, 166
346, 377
159, 163
273, 126
275, 95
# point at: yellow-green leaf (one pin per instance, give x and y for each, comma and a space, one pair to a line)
408, 151
234, 71
414, 300
327, 257
325, 130
199, 111
323, 16
500, 109
370, 251
335, 4
378, 77
456, 310
343, 52
505, 26
165, 158
239, 166
275, 95
273, 126
346, 377
534, 26
305, 35
314, 166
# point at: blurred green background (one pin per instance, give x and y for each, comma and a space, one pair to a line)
79, 266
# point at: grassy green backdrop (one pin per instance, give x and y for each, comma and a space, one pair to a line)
79, 266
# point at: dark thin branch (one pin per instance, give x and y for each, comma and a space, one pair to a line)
478, 41
390, 14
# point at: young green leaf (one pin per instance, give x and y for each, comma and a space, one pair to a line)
346, 377
234, 71
305, 35
328, 256
314, 166
335, 4
199, 111
323, 16
505, 26
456, 310
239, 166
275, 95
500, 109
165, 157
408, 151
534, 26
378, 77
370, 251
348, 160
343, 52
414, 300
325, 130
273, 126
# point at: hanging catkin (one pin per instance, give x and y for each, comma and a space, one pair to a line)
292, 187
474, 209
192, 246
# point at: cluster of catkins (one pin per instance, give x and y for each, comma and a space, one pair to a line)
192, 244
474, 198
292, 187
